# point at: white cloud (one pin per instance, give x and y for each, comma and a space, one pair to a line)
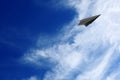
93, 50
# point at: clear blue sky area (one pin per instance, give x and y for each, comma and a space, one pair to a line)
21, 22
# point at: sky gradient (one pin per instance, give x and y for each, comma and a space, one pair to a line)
48, 44
22, 24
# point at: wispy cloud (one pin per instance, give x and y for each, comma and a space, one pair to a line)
32, 78
93, 50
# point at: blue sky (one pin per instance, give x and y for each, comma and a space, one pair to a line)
21, 24
41, 40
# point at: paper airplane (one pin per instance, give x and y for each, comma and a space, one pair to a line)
88, 21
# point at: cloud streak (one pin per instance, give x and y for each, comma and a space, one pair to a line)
93, 51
